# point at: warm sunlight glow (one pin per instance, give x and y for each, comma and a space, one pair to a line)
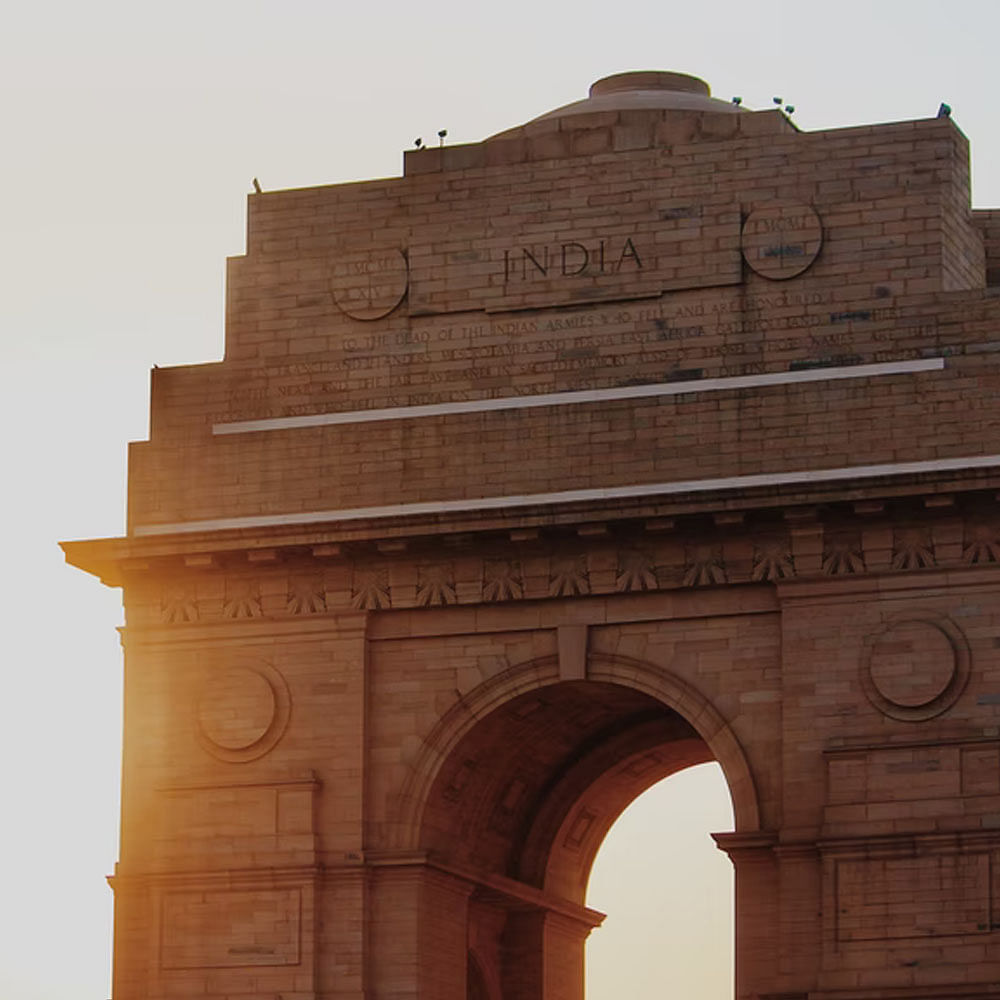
668, 893
132, 134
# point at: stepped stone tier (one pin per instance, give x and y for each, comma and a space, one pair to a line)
651, 432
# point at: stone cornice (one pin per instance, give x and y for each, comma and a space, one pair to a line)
866, 500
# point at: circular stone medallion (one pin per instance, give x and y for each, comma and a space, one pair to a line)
236, 708
369, 284
241, 712
912, 664
916, 667
781, 241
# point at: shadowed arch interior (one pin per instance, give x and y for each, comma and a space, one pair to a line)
514, 789
532, 788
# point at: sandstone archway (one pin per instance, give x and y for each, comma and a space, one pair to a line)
662, 407
517, 786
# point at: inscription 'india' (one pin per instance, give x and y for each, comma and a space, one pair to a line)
570, 259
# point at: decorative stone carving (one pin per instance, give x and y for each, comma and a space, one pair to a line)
241, 711
982, 544
510, 802
435, 585
704, 566
456, 786
781, 240
370, 591
369, 284
242, 599
502, 581
842, 552
772, 560
569, 577
579, 828
916, 666
306, 596
178, 604
912, 549
635, 572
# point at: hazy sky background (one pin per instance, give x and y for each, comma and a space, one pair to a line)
130, 135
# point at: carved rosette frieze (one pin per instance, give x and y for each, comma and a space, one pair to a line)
305, 596
981, 543
568, 577
841, 560
242, 599
913, 548
843, 553
772, 560
502, 580
370, 589
635, 572
704, 566
864, 539
178, 604
436, 585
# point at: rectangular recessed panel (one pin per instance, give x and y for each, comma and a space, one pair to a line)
600, 493
912, 774
583, 396
218, 929
895, 775
560, 257
221, 812
981, 770
916, 897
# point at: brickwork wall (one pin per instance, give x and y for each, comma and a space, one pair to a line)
963, 263
690, 437
918, 787
830, 765
893, 203
366, 754
987, 221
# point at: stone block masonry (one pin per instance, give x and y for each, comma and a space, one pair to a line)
651, 432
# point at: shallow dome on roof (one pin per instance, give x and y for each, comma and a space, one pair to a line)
646, 90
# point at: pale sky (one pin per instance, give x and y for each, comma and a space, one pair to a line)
131, 133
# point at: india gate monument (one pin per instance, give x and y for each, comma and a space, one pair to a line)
654, 431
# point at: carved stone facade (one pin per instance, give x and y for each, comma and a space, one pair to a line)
652, 432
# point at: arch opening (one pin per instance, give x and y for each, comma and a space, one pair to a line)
668, 892
524, 797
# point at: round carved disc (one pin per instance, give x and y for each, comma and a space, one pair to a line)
781, 241
912, 664
236, 708
369, 284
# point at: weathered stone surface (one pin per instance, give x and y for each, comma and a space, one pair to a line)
648, 433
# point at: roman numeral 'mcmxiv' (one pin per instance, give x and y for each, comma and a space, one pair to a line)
570, 259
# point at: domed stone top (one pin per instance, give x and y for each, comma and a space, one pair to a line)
646, 90
650, 80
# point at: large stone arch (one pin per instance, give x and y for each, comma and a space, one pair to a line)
513, 790
649, 679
